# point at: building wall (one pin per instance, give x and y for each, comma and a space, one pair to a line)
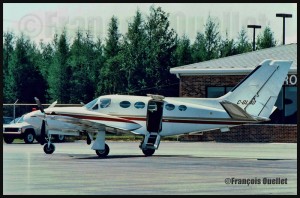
196, 86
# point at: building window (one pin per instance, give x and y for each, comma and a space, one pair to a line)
286, 103
215, 92
277, 116
290, 105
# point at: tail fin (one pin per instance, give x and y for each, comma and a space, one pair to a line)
258, 92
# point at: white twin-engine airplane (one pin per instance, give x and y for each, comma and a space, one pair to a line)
155, 116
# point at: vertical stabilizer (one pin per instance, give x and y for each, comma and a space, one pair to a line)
258, 92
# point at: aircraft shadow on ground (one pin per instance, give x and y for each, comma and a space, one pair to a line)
125, 156
84, 156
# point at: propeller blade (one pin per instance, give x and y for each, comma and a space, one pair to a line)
39, 104
42, 139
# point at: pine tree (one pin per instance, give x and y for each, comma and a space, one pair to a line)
266, 39
110, 75
8, 48
59, 70
198, 49
212, 38
243, 44
24, 80
184, 51
160, 48
134, 55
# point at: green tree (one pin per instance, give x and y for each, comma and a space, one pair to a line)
227, 47
24, 80
99, 61
134, 55
160, 48
8, 48
212, 38
110, 75
184, 51
199, 49
243, 44
59, 71
266, 39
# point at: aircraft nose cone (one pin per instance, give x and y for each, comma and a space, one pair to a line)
26, 117
31, 118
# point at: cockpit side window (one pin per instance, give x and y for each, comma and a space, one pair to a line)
90, 104
105, 102
96, 107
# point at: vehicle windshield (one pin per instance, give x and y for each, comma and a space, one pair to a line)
18, 120
90, 104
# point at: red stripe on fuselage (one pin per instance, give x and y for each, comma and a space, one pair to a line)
182, 121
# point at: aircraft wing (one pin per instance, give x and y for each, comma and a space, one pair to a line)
92, 122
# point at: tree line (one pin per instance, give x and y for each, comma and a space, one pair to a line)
137, 62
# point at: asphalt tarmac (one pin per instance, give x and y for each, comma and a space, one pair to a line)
177, 168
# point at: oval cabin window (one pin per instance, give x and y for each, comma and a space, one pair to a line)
170, 107
125, 104
139, 105
182, 107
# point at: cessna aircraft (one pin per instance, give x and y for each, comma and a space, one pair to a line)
156, 116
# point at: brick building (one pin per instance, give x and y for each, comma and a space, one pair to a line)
214, 78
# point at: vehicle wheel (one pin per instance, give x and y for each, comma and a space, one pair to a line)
29, 137
103, 153
148, 152
60, 138
50, 149
8, 140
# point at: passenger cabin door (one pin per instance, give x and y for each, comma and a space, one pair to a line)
154, 115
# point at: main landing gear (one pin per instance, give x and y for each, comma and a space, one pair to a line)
103, 153
150, 143
148, 152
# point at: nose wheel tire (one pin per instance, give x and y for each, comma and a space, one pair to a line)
49, 149
148, 152
103, 153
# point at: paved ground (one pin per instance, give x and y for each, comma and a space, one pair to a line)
176, 168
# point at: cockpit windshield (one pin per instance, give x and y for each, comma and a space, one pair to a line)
90, 104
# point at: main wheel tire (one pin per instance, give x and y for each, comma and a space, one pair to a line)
103, 153
29, 137
148, 152
8, 140
50, 149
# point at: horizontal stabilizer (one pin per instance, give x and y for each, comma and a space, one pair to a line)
236, 112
